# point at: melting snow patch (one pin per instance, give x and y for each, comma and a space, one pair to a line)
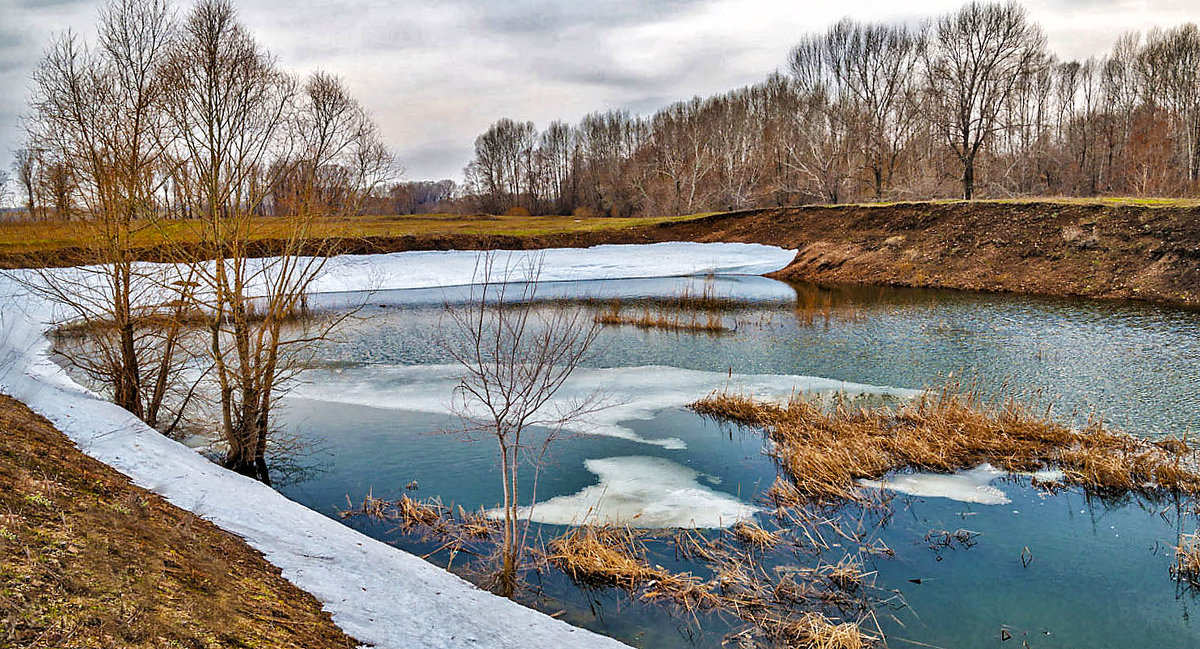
640, 491
972, 486
427, 269
968, 486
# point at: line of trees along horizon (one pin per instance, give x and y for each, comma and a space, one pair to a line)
968, 105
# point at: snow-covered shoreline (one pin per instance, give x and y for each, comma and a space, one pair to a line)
381, 595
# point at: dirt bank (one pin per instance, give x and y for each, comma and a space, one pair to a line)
89, 560
1102, 250
1090, 250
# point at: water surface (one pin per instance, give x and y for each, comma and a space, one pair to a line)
1099, 570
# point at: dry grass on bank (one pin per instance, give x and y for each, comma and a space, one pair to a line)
825, 450
87, 559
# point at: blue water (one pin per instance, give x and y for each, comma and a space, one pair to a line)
1099, 574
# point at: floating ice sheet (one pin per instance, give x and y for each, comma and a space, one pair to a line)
645, 492
971, 486
629, 393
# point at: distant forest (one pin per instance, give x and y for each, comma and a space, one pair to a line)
970, 104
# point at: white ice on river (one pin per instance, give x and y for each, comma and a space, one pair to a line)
645, 492
970, 486
627, 393
381, 595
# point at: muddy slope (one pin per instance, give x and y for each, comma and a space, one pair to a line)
1043, 248
87, 559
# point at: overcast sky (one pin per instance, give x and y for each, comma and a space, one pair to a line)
436, 72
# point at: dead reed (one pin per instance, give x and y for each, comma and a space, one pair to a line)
458, 527
753, 535
826, 449
709, 323
1187, 560
614, 556
778, 604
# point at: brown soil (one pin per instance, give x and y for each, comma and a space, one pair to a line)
89, 560
1102, 251
1071, 248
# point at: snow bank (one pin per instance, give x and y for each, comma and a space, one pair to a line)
376, 593
629, 393
642, 491
457, 267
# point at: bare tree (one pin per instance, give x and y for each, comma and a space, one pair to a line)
976, 57
98, 129
515, 357
26, 162
5, 188
241, 126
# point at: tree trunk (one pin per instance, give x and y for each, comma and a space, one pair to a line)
968, 179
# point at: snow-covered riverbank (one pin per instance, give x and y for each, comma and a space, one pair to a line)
380, 595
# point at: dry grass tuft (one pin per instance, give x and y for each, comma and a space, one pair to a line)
776, 603
614, 556
815, 631
710, 323
755, 536
428, 517
602, 556
825, 450
1187, 560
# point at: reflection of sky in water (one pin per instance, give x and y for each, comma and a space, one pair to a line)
1099, 576
1134, 363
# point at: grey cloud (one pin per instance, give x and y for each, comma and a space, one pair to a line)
539, 17
436, 72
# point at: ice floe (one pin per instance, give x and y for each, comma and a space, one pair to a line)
971, 486
645, 492
629, 393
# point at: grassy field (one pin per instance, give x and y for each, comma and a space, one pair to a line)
47, 237
37, 238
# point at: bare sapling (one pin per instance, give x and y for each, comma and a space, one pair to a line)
515, 357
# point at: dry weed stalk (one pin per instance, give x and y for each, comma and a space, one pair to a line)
1187, 560
825, 450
